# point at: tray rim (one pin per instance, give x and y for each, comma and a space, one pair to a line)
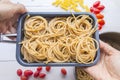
19, 30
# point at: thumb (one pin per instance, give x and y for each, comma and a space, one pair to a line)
107, 48
20, 9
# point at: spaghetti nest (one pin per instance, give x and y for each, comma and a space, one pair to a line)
82, 75
61, 39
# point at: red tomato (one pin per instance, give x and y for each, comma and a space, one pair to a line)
39, 68
48, 68
36, 74
99, 16
96, 4
63, 71
42, 75
19, 72
28, 73
101, 7
91, 9
23, 78
96, 11
101, 22
100, 27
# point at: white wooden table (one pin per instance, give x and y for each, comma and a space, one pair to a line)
8, 63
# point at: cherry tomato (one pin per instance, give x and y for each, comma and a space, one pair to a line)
42, 75
101, 22
23, 78
96, 4
28, 73
100, 27
63, 71
36, 74
99, 16
19, 72
39, 68
101, 7
96, 11
48, 68
91, 9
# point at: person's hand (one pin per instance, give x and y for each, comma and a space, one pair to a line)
108, 68
9, 13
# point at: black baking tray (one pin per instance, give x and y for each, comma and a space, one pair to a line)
20, 36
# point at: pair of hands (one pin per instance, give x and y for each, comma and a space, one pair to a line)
108, 68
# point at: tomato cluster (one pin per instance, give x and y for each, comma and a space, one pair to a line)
26, 74
97, 8
36, 74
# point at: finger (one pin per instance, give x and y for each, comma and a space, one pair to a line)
107, 48
3, 27
92, 71
12, 23
20, 9
11, 27
12, 30
14, 20
8, 32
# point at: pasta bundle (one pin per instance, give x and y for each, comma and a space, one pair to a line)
82, 74
61, 39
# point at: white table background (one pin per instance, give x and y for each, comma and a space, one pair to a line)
8, 63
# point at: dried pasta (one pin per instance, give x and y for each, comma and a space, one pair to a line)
82, 75
61, 39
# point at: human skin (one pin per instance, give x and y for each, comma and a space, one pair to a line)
108, 68
9, 13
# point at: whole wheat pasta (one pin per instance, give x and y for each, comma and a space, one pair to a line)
61, 39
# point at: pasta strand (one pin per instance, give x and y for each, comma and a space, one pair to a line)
61, 39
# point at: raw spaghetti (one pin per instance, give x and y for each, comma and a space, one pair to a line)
82, 75
61, 39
